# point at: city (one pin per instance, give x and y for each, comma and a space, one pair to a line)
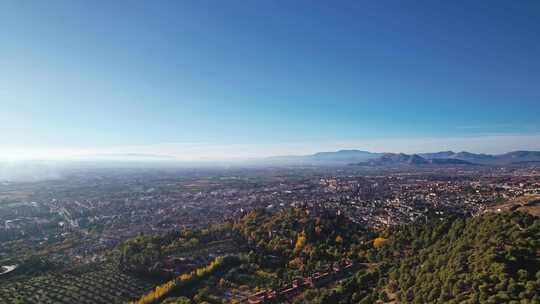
81, 219
269, 152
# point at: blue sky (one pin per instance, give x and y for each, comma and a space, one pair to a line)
221, 79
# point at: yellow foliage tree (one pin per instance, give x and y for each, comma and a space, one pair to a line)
379, 242
161, 291
300, 242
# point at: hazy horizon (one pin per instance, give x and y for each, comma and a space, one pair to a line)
488, 144
201, 152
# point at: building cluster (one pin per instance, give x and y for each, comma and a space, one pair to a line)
89, 213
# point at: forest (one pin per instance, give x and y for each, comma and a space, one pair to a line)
492, 258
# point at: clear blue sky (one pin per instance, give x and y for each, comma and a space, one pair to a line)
100, 74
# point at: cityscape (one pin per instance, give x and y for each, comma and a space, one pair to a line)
82, 219
269, 152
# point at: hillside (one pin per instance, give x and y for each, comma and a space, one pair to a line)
492, 258
273, 250
488, 259
308, 256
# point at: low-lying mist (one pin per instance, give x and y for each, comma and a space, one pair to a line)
29, 171
46, 170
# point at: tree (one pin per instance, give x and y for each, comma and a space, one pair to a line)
379, 242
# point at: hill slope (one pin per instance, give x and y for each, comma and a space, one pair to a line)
488, 259
494, 258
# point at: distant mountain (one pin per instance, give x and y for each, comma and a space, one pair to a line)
520, 156
444, 154
448, 161
474, 157
466, 156
338, 157
393, 159
396, 159
507, 158
343, 157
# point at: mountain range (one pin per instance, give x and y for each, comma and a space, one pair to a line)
506, 158
360, 157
